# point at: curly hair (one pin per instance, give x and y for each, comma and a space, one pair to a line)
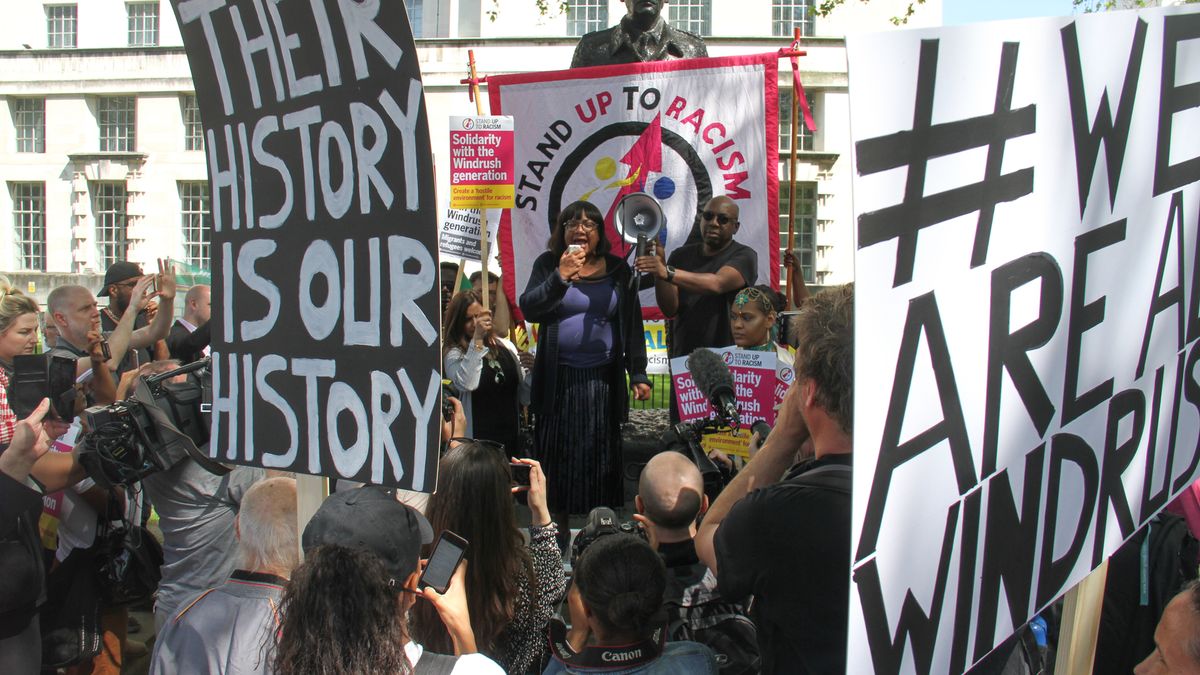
824, 331
474, 499
339, 616
622, 580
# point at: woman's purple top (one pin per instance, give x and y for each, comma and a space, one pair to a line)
587, 329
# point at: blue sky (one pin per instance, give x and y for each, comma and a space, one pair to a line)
955, 12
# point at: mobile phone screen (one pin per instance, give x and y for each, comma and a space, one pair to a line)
520, 473
447, 553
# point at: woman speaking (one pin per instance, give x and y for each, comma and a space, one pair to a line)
590, 337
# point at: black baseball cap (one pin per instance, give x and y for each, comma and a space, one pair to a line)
118, 272
370, 518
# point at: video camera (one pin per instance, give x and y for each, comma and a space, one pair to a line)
163, 423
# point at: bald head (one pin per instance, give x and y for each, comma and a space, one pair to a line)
671, 491
723, 202
197, 305
267, 527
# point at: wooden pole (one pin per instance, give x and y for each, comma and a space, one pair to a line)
791, 238
1081, 624
310, 492
483, 244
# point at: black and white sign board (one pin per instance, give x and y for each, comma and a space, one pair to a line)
324, 237
1028, 313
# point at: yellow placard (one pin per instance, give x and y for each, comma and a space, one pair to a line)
482, 196
729, 443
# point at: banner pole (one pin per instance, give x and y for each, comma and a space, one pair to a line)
1081, 624
791, 238
310, 492
473, 80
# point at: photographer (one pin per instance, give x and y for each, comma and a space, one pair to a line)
788, 543
197, 511
513, 586
617, 598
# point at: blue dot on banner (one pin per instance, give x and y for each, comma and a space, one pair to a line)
663, 188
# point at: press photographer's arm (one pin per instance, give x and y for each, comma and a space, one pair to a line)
28, 454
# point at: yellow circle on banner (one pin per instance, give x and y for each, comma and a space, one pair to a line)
606, 168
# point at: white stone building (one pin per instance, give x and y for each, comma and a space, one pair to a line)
101, 155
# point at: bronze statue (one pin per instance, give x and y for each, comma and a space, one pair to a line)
643, 35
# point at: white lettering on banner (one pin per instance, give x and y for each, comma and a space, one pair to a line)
325, 353
1028, 320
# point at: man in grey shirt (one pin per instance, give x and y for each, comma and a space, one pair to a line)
196, 511
230, 629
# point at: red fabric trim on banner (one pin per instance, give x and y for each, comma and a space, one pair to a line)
771, 120
800, 95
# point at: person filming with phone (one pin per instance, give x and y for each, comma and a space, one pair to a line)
591, 337
345, 611
513, 586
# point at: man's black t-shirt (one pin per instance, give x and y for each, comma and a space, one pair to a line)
789, 547
703, 320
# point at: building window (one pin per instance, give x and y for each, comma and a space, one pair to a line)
692, 15
143, 24
806, 227
116, 117
193, 133
586, 16
60, 26
108, 204
789, 14
29, 119
804, 137
414, 16
194, 213
29, 225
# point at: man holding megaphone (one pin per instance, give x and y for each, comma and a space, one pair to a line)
696, 286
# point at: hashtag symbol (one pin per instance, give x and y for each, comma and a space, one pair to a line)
925, 141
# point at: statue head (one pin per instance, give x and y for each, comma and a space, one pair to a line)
646, 11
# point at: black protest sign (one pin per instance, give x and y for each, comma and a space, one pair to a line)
1028, 318
324, 238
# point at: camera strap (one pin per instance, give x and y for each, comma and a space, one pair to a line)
605, 656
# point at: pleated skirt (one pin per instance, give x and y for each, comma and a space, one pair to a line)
579, 442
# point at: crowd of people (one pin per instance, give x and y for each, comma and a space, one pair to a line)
755, 580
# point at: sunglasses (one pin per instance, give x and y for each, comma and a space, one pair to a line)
721, 218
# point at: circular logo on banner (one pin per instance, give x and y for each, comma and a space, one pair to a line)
728, 356
468, 124
786, 374
602, 169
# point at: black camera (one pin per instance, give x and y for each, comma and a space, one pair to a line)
601, 521
39, 376
163, 423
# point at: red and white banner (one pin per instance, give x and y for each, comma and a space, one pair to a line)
683, 131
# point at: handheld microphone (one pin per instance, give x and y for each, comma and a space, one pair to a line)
714, 380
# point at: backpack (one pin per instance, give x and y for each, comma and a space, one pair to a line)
696, 613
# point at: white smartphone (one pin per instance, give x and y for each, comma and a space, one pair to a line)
574, 248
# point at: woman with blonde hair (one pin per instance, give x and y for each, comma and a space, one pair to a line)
18, 335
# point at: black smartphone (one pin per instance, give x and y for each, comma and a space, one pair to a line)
448, 552
62, 387
520, 473
30, 383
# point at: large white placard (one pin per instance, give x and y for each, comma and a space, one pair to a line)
1028, 308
